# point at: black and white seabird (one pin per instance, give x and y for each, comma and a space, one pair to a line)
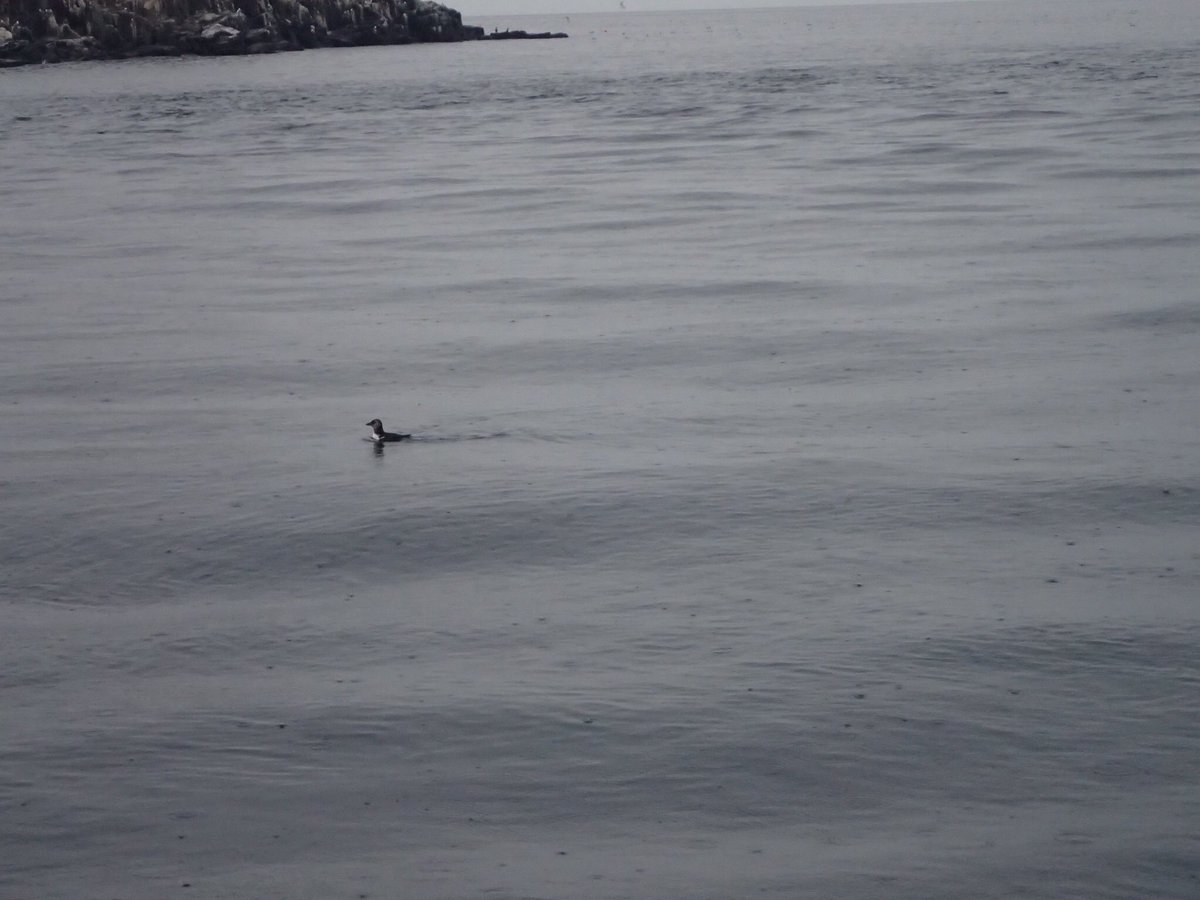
379, 436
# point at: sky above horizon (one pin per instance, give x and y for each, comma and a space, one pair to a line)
479, 8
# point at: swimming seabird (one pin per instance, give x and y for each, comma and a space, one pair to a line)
379, 436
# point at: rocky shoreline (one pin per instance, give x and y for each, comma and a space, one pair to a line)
37, 31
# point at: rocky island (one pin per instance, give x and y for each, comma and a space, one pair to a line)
35, 31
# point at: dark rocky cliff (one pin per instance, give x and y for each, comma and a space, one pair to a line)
57, 30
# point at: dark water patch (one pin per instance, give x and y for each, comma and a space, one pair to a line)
564, 292
289, 187
1023, 114
382, 528
1079, 500
710, 199
161, 384
306, 206
917, 726
1126, 242
608, 224
777, 80
793, 133
705, 759
1148, 660
916, 187
1175, 318
921, 149
1007, 155
1149, 173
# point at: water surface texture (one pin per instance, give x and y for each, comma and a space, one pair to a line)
806, 485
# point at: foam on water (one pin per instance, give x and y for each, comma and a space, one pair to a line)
803, 492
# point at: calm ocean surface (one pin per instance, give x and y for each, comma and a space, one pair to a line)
805, 498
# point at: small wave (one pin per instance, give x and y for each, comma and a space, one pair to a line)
454, 438
520, 435
1177, 317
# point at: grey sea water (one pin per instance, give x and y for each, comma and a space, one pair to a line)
805, 489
